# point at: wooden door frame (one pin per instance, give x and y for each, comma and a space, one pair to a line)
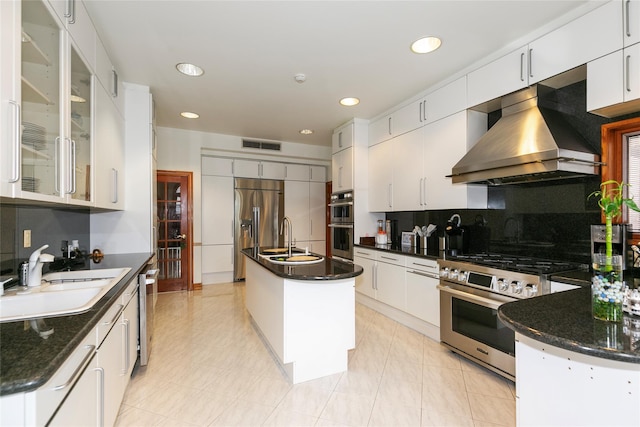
189, 239
612, 153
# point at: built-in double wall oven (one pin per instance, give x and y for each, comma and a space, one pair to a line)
341, 224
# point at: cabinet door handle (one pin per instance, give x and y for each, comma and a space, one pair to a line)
627, 69
375, 276
340, 177
72, 177
420, 190
101, 398
126, 325
389, 258
340, 140
424, 110
76, 374
389, 126
424, 191
286, 171
114, 193
530, 64
17, 143
114, 83
389, 195
420, 113
72, 12
522, 67
627, 6
56, 166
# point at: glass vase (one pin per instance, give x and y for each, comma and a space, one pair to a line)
607, 287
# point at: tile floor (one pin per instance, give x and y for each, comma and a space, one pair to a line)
210, 368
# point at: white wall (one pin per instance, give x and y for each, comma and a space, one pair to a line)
180, 150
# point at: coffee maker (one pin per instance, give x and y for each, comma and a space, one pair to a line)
456, 237
621, 234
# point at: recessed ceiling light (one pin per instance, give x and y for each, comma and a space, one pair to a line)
306, 131
189, 115
425, 44
189, 69
349, 102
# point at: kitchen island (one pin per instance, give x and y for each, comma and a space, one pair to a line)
572, 369
305, 313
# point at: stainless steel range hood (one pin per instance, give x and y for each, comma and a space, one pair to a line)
528, 144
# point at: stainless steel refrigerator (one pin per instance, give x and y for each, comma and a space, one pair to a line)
259, 209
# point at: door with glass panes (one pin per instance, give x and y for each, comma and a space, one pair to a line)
174, 231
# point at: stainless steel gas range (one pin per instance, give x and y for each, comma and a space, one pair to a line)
472, 288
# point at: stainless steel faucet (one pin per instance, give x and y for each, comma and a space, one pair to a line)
288, 221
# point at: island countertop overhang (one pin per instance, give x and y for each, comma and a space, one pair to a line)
327, 269
564, 320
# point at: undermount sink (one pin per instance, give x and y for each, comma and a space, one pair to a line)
61, 293
297, 259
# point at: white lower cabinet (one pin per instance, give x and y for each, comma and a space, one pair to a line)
89, 386
391, 286
365, 283
423, 297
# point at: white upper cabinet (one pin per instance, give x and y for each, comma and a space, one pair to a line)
502, 76
257, 169
221, 166
342, 138
613, 83
408, 174
342, 170
408, 118
317, 211
380, 130
109, 144
294, 172
317, 174
445, 101
108, 76
381, 177
631, 13
76, 20
584, 39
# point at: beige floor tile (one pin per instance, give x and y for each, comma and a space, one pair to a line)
282, 418
443, 359
438, 417
306, 399
445, 400
400, 393
402, 370
351, 409
130, 416
243, 413
489, 384
358, 382
385, 415
268, 391
493, 409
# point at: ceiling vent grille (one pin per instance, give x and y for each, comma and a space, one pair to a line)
261, 145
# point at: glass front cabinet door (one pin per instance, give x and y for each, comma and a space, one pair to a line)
47, 99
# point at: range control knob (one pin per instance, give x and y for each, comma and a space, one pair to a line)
530, 290
515, 287
503, 285
453, 274
444, 272
462, 276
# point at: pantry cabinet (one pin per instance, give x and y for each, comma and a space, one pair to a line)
217, 196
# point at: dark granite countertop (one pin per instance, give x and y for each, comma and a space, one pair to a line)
27, 361
402, 250
328, 269
564, 320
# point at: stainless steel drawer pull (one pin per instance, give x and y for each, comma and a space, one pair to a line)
85, 361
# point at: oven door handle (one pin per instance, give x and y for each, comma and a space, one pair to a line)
340, 225
485, 302
338, 204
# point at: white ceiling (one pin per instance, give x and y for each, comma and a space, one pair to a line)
251, 50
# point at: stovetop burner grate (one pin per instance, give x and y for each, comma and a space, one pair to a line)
522, 264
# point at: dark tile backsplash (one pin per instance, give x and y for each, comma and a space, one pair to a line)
541, 220
48, 226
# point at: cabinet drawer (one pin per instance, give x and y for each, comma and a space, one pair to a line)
364, 253
422, 264
390, 258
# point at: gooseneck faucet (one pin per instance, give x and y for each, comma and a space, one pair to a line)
288, 221
36, 260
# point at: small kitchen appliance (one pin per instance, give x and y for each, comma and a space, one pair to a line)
457, 237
